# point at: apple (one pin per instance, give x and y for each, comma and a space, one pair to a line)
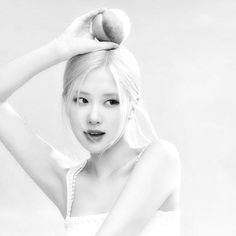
111, 25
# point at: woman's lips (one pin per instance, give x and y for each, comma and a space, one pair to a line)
95, 131
94, 137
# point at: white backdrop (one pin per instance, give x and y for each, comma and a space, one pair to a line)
186, 51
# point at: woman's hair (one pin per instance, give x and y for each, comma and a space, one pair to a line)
125, 70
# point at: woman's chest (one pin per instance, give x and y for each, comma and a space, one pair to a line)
95, 197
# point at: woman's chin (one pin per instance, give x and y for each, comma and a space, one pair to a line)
94, 148
97, 149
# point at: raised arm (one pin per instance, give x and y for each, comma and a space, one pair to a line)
76, 39
38, 158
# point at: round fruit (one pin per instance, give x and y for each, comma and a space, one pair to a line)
111, 25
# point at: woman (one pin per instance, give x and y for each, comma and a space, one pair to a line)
119, 193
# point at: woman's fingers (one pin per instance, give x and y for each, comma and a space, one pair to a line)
106, 46
88, 17
84, 20
91, 15
77, 38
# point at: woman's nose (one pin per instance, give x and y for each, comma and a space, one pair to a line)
94, 117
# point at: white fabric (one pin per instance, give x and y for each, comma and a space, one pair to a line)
164, 223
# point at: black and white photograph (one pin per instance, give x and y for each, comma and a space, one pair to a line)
117, 118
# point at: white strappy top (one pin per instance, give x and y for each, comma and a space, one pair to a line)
163, 223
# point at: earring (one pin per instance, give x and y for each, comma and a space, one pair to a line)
131, 114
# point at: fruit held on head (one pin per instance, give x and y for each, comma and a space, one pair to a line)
111, 25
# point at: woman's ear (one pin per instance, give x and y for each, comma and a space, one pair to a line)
131, 113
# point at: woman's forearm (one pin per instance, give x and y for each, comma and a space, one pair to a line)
16, 73
76, 39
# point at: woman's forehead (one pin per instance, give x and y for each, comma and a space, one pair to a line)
101, 78
100, 81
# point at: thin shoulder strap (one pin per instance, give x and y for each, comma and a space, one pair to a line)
70, 179
142, 151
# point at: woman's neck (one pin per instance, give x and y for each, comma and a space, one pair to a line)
112, 161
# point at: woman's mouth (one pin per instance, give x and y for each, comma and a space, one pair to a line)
94, 135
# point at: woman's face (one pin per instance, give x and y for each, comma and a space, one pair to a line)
95, 114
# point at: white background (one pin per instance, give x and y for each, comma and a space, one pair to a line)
186, 51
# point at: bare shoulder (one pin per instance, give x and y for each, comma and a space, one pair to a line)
40, 160
154, 179
163, 149
163, 156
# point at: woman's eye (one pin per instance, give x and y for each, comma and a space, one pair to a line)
113, 102
80, 100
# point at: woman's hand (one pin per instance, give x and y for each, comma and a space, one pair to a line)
77, 38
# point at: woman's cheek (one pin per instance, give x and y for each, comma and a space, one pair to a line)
118, 122
78, 122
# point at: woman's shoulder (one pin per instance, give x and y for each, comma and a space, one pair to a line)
163, 150
163, 146
163, 161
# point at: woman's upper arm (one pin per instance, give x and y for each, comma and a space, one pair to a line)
154, 178
36, 157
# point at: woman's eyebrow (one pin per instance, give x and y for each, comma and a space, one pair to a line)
105, 94
110, 94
